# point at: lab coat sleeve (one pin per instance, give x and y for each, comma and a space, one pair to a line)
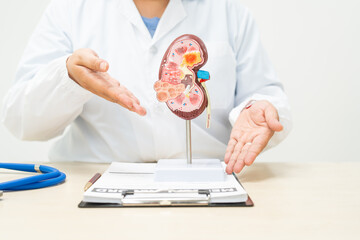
256, 77
43, 99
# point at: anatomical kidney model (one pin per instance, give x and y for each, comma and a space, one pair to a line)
181, 83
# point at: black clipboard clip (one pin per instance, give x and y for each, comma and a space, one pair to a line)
166, 198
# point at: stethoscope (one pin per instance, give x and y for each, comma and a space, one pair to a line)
50, 176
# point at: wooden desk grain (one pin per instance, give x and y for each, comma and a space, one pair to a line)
292, 201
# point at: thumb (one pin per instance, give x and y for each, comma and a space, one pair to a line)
272, 119
89, 59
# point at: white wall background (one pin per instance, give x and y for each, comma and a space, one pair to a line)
314, 45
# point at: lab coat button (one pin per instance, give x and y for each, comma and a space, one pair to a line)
153, 50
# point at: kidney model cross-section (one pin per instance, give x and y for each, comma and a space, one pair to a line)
181, 83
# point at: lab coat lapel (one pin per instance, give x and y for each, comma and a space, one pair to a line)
173, 15
129, 10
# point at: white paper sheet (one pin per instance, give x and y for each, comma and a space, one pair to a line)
139, 177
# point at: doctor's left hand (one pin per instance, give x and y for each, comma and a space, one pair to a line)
90, 72
250, 135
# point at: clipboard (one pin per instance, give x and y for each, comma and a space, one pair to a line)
197, 198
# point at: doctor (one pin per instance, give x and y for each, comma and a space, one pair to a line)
88, 73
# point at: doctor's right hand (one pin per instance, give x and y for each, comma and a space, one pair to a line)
90, 72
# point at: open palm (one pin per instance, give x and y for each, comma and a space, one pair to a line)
250, 135
90, 72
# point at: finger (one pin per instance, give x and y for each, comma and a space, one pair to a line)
121, 95
129, 103
237, 150
139, 110
230, 149
89, 59
130, 94
235, 134
107, 87
272, 119
125, 101
258, 144
239, 166
240, 160
100, 84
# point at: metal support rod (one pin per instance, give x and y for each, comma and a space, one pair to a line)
188, 142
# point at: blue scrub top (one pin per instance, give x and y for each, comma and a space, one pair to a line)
151, 24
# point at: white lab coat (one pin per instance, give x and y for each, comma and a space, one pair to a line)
44, 101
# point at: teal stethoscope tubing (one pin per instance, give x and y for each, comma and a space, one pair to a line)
50, 177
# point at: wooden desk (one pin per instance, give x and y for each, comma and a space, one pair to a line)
292, 201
